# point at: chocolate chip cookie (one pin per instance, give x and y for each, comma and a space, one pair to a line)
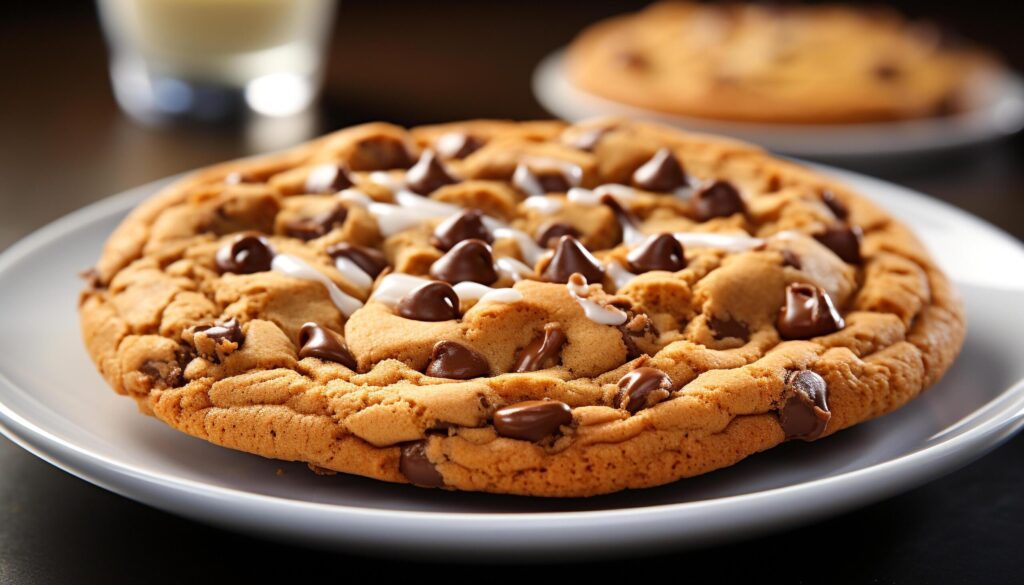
527, 308
777, 63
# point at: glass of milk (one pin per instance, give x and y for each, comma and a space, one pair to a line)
216, 60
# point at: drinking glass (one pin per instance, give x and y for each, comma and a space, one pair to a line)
213, 60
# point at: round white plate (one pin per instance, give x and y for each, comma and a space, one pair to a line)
53, 403
1001, 113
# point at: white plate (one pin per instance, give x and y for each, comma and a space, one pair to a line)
54, 404
1001, 113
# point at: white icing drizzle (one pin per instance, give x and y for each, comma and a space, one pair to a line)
687, 191
438, 208
788, 235
524, 178
396, 285
392, 219
527, 247
621, 193
728, 242
512, 268
600, 314
581, 196
296, 268
354, 196
492, 223
386, 180
474, 291
543, 204
353, 273
630, 234
618, 273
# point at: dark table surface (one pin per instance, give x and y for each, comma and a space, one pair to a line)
65, 144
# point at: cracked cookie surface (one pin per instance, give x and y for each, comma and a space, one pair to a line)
529, 308
787, 64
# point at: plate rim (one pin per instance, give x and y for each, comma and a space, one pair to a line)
1003, 416
968, 128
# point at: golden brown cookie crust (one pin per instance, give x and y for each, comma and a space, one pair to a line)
159, 286
785, 64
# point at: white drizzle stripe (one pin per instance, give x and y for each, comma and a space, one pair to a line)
621, 193
592, 197
474, 291
602, 315
384, 179
353, 273
727, 242
513, 268
292, 266
412, 200
527, 247
355, 196
619, 274
543, 204
630, 235
581, 196
395, 286
685, 193
392, 219
524, 178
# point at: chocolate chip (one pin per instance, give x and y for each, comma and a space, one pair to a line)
950, 104
458, 145
92, 278
660, 252
320, 342
637, 325
551, 233
246, 254
532, 420
887, 71
213, 342
317, 226
643, 388
808, 312
805, 414
468, 225
164, 374
719, 199
371, 261
328, 178
632, 60
417, 468
458, 362
835, 204
663, 173
469, 260
624, 218
587, 140
844, 240
534, 180
724, 328
379, 153
428, 174
542, 352
432, 301
789, 258
572, 257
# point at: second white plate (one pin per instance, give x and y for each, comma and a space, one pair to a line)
53, 403
1001, 114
